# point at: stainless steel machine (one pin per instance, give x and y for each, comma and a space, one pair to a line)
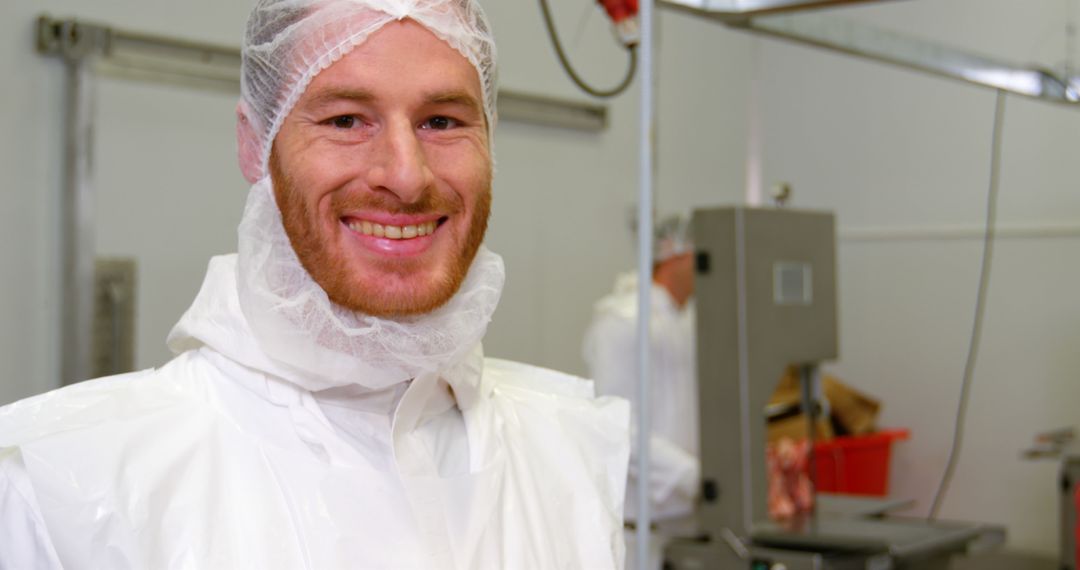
1062, 446
766, 300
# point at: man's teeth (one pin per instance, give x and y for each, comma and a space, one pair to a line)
393, 232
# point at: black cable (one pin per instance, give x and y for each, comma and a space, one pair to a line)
980, 305
565, 62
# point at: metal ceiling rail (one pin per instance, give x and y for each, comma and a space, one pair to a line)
734, 11
917, 54
766, 17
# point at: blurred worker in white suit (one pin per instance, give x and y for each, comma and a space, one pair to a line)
610, 350
330, 406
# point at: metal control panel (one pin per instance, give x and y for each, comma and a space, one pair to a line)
766, 299
113, 342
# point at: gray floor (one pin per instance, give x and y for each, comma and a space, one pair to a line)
1004, 561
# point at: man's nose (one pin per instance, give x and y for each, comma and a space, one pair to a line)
399, 164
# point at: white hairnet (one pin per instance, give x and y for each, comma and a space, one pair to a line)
672, 237
288, 42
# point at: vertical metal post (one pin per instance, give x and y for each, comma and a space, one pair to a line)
77, 239
808, 385
1069, 509
645, 262
77, 46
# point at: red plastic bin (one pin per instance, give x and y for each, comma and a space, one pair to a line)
856, 465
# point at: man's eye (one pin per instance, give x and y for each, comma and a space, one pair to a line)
344, 122
439, 123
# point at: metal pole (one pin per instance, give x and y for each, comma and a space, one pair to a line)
645, 232
77, 46
808, 385
77, 238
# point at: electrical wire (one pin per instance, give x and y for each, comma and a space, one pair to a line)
980, 305
577, 79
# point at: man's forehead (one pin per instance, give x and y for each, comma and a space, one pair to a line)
289, 44
438, 72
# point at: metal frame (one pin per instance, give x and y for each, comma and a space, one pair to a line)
771, 18
91, 50
733, 11
77, 48
895, 48
1069, 474
646, 130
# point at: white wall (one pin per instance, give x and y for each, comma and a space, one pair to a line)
168, 191
891, 151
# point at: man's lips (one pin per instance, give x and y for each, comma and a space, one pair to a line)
393, 232
411, 235
391, 226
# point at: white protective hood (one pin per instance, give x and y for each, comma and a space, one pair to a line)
305, 338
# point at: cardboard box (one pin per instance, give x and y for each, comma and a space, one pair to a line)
850, 412
853, 412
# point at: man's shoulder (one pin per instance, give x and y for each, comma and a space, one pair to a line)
519, 375
572, 445
553, 393
88, 404
620, 305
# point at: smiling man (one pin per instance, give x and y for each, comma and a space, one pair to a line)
383, 173
330, 406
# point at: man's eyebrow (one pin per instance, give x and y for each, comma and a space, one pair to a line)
334, 95
455, 98
330, 96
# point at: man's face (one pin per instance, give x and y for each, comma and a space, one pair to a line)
382, 172
684, 273
676, 274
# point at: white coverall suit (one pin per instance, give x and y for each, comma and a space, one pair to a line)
223, 459
609, 350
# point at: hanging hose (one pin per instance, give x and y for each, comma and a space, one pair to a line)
565, 61
980, 306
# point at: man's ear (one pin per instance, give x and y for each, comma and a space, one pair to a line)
247, 145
